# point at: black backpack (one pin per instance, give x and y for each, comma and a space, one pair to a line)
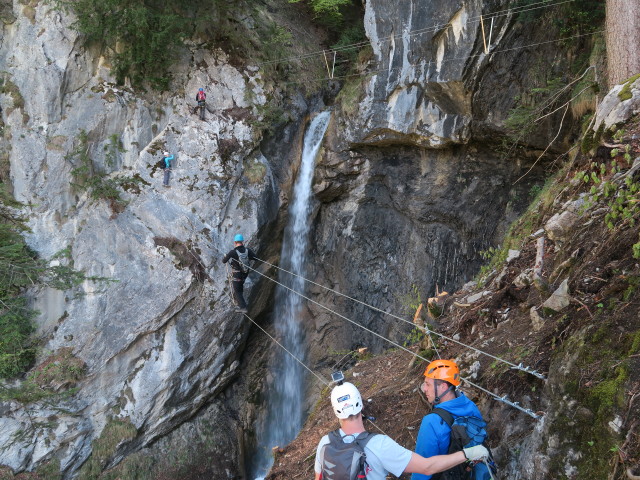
345, 461
466, 431
243, 260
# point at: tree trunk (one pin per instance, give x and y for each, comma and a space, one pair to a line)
623, 40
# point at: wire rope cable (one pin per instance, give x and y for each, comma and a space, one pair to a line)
430, 29
503, 399
322, 380
425, 329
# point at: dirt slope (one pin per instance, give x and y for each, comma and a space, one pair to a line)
589, 350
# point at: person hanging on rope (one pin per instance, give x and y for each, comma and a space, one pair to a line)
435, 437
240, 257
351, 450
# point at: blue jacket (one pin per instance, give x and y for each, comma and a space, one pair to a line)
167, 161
433, 437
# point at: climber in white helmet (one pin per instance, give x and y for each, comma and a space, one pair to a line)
351, 450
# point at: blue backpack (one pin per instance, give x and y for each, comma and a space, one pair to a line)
466, 432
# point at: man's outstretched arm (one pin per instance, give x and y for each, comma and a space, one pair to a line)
440, 463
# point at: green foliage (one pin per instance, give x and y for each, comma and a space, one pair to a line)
414, 336
16, 325
523, 226
330, 9
522, 119
571, 18
269, 117
143, 34
87, 177
621, 198
276, 46
494, 257
21, 268
350, 43
625, 92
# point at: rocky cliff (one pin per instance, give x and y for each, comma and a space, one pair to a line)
157, 338
413, 182
560, 299
421, 173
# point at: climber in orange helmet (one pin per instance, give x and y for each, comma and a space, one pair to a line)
435, 437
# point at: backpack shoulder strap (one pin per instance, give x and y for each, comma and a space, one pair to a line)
334, 436
364, 438
444, 415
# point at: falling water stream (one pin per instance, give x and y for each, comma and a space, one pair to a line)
284, 399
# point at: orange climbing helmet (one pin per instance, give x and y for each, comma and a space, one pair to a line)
446, 370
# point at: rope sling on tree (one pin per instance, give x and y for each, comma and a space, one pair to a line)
504, 399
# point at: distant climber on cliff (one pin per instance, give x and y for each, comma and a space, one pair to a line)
201, 98
166, 165
436, 436
352, 452
240, 257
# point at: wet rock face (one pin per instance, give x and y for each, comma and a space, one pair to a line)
418, 174
404, 217
417, 95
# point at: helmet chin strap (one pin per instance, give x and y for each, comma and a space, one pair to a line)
438, 398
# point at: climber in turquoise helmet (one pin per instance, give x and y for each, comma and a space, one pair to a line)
240, 257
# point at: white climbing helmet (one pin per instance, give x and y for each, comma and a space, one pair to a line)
346, 400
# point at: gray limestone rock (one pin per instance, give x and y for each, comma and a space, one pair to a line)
559, 299
613, 109
158, 339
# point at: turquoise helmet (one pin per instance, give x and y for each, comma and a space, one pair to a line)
238, 238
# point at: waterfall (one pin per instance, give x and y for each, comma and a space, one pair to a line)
285, 396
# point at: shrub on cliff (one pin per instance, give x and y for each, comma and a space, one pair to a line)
142, 35
20, 268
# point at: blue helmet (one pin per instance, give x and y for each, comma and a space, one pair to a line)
201, 89
238, 238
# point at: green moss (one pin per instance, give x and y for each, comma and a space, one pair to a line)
9, 88
609, 393
49, 470
635, 344
114, 434
592, 139
588, 403
625, 93
255, 170
350, 95
60, 369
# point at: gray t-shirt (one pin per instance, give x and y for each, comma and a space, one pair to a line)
383, 456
